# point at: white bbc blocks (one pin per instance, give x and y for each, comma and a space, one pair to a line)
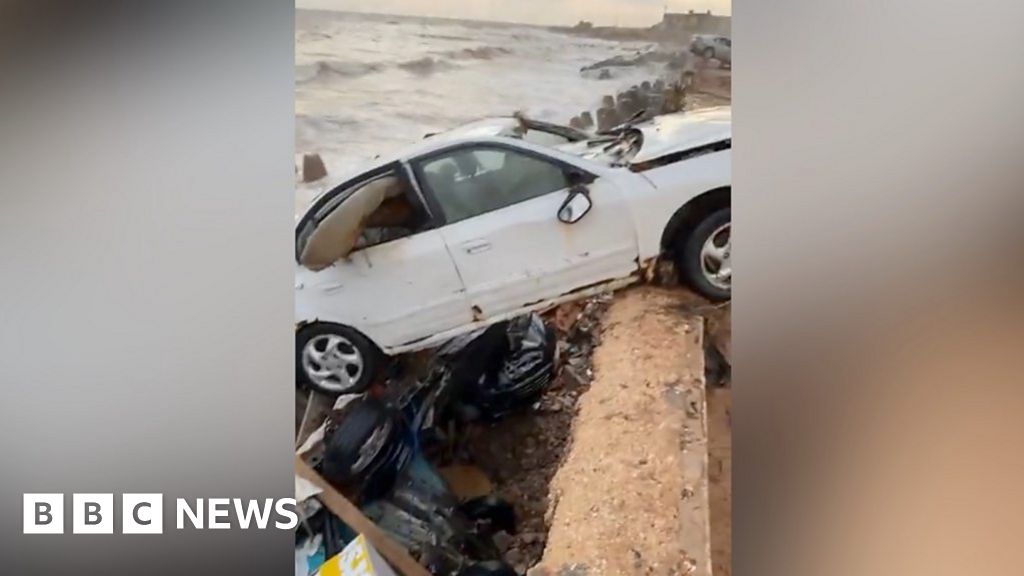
43, 514
142, 514
93, 513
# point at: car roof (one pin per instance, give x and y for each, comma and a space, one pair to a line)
495, 129
431, 144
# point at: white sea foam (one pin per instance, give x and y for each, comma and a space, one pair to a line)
366, 85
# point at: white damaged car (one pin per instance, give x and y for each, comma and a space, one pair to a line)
498, 218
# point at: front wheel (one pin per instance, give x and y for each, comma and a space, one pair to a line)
705, 256
709, 53
335, 359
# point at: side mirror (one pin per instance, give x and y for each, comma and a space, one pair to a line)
576, 205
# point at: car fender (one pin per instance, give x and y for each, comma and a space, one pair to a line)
672, 186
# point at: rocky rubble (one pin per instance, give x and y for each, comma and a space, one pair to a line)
674, 75
672, 59
518, 457
522, 452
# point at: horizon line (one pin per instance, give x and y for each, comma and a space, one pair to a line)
454, 19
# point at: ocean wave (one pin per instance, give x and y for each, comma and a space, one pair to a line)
481, 53
426, 66
311, 36
443, 37
333, 68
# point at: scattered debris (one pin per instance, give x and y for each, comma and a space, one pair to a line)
381, 449
522, 452
455, 458
502, 368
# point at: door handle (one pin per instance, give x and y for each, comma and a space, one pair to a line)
476, 246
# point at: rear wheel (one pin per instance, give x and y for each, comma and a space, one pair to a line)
335, 359
704, 256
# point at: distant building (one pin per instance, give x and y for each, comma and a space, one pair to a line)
691, 22
584, 25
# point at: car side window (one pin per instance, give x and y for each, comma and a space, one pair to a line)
396, 217
471, 181
372, 212
726, 41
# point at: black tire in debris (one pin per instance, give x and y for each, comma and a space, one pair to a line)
366, 450
371, 356
688, 253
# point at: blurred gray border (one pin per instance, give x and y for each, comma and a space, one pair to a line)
146, 177
878, 210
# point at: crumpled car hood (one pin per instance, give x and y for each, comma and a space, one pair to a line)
683, 131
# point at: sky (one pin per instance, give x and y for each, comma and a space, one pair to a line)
547, 12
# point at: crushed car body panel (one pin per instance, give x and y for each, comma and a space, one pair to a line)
683, 131
669, 135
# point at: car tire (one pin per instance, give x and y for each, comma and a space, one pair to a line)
708, 53
704, 253
334, 359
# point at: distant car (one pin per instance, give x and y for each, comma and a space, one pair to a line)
712, 46
498, 218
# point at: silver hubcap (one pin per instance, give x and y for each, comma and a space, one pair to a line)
332, 362
716, 258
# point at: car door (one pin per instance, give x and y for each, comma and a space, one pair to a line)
396, 288
500, 204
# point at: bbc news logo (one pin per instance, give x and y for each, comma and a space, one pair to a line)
144, 513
